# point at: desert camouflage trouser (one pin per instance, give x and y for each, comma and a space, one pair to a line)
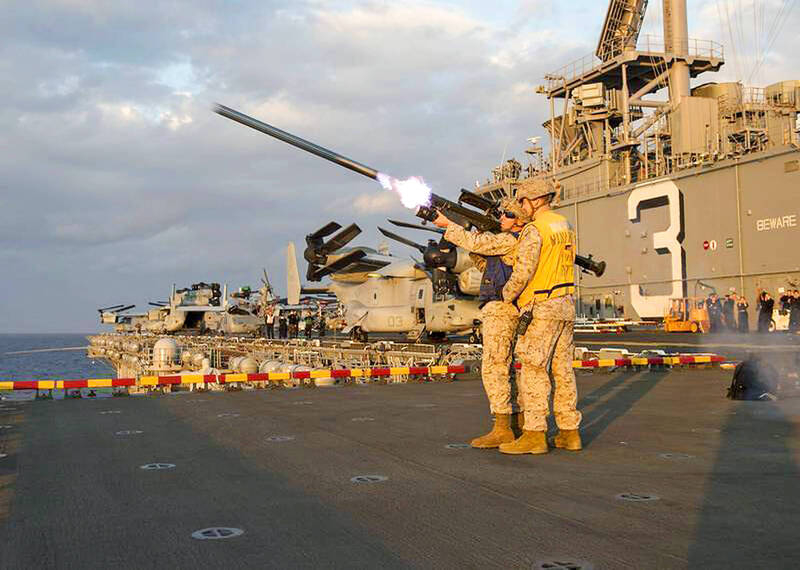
499, 323
548, 347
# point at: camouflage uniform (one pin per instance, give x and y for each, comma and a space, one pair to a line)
499, 319
547, 344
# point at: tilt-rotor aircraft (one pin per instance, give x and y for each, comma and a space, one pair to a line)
380, 293
202, 308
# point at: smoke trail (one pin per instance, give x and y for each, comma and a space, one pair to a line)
413, 191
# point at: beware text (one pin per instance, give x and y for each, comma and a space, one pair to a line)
767, 224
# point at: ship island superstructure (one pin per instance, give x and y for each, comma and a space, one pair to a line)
683, 189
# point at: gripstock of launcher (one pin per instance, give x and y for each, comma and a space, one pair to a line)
488, 220
457, 213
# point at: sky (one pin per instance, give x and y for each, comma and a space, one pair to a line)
117, 180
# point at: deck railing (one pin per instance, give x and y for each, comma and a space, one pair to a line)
647, 44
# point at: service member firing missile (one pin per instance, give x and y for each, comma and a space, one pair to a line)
495, 252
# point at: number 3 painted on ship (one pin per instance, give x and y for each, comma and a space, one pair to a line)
663, 242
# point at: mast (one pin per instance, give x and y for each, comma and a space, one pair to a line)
676, 41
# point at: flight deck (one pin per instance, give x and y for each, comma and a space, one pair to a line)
673, 475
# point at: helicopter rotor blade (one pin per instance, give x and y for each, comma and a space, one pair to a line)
340, 240
324, 231
339, 264
111, 308
405, 241
401, 224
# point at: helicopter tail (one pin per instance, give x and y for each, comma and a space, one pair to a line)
292, 276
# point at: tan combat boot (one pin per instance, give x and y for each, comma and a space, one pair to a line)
568, 439
534, 442
501, 433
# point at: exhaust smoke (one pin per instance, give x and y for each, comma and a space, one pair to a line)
413, 191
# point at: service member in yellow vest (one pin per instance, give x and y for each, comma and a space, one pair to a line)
493, 254
543, 282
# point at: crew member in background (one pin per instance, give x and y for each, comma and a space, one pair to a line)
744, 319
493, 254
543, 282
309, 328
728, 311
714, 307
321, 317
283, 326
293, 324
269, 321
301, 324
794, 312
784, 299
765, 306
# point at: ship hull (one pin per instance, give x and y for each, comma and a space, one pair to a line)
731, 225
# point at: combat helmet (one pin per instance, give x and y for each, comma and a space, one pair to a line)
533, 188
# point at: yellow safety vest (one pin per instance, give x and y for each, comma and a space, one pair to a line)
555, 272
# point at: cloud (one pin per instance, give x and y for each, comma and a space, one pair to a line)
378, 202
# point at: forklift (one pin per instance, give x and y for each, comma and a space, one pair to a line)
687, 314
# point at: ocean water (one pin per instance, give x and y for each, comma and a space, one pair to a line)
64, 365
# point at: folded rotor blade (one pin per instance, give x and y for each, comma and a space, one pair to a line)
111, 308
324, 231
125, 308
419, 247
340, 263
433, 229
341, 239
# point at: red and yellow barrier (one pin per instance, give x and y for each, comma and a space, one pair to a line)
650, 361
185, 379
